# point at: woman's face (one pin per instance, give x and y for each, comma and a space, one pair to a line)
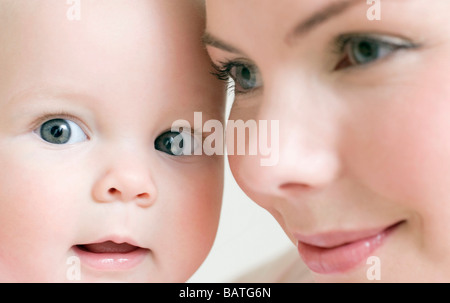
364, 141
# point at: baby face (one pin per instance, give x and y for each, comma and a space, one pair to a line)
91, 188
364, 142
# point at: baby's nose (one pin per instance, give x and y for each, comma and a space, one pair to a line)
126, 184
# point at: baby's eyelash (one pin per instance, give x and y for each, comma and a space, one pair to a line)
46, 116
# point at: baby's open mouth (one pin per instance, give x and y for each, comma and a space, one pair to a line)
108, 247
109, 255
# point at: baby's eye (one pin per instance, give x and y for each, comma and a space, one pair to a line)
246, 76
177, 143
61, 131
360, 50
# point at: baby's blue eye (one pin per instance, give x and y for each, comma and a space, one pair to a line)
61, 131
176, 143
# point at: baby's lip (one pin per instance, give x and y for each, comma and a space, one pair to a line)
110, 247
111, 254
112, 244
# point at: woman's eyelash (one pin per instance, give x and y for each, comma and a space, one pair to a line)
355, 50
222, 72
342, 41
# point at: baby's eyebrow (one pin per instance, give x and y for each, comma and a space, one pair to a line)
48, 92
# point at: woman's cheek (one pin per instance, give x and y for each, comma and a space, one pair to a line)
402, 149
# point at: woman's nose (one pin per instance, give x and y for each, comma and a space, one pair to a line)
126, 180
306, 141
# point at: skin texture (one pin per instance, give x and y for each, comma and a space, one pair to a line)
361, 147
123, 73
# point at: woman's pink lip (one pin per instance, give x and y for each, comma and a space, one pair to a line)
338, 252
332, 239
111, 261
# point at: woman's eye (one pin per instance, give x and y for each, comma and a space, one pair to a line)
364, 50
246, 77
177, 143
61, 131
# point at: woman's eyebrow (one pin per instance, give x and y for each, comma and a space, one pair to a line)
209, 39
323, 15
335, 9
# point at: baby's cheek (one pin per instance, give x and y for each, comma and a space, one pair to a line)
191, 222
200, 204
35, 211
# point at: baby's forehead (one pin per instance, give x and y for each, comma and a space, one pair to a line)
21, 8
107, 18
33, 9
21, 15
115, 42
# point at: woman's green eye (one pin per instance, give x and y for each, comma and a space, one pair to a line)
365, 51
360, 50
61, 131
246, 77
